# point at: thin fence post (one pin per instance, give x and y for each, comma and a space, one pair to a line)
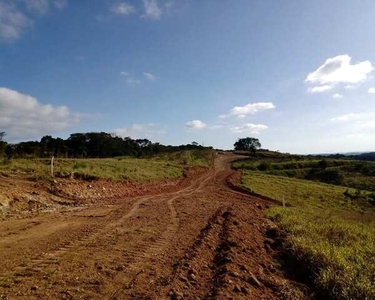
283, 201
52, 160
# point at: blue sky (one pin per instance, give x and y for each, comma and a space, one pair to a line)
296, 74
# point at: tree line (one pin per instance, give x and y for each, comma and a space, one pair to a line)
87, 145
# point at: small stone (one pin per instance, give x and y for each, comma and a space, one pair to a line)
176, 295
119, 268
234, 274
253, 280
192, 277
243, 268
237, 289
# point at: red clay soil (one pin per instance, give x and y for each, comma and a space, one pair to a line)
203, 241
23, 198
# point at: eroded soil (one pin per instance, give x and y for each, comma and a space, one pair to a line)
197, 239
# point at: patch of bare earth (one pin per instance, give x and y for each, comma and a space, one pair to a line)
200, 241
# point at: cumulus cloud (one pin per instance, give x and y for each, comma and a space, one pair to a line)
340, 70
13, 19
320, 89
371, 90
196, 124
149, 76
136, 131
249, 128
23, 117
12, 22
152, 10
250, 109
337, 96
123, 8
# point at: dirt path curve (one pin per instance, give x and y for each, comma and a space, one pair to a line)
201, 242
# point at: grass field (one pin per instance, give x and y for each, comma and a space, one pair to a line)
166, 166
355, 174
327, 232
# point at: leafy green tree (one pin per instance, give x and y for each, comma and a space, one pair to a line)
247, 144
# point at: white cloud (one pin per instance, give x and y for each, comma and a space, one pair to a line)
12, 22
60, 4
357, 123
133, 81
337, 96
320, 89
149, 76
152, 10
37, 6
196, 124
249, 128
340, 70
371, 90
23, 117
123, 8
123, 73
347, 117
369, 124
135, 131
41, 7
214, 127
250, 109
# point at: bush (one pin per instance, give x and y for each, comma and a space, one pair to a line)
323, 164
371, 198
328, 176
264, 166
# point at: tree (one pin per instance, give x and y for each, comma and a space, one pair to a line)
3, 144
247, 144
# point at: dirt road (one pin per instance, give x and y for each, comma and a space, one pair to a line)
204, 241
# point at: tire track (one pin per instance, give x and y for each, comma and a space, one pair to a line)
143, 252
38, 264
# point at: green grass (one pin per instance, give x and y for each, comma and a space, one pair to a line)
117, 169
330, 234
203, 158
356, 174
165, 166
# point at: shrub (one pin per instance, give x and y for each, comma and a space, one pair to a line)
323, 164
328, 176
371, 198
264, 166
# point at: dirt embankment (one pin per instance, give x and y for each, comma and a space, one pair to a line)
23, 198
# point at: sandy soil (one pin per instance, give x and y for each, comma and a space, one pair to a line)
196, 239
